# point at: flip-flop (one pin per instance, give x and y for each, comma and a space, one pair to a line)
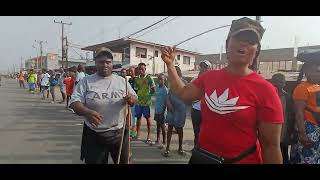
166, 154
181, 152
148, 141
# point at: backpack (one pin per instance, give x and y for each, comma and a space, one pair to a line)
53, 82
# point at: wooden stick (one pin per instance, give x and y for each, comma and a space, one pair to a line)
124, 126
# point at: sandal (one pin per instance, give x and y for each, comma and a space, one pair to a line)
181, 152
166, 154
148, 141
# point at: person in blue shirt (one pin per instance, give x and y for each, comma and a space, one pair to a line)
160, 107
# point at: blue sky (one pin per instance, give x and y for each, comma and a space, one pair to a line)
18, 33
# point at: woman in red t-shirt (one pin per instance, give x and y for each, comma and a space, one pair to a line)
242, 113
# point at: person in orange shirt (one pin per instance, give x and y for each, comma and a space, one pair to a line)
69, 80
21, 80
306, 98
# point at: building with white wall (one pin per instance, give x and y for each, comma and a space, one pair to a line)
51, 61
131, 52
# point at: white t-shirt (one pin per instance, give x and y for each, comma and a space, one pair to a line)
105, 96
45, 80
80, 75
196, 104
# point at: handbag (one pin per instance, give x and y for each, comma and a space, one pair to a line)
201, 156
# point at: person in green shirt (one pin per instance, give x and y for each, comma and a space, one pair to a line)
32, 79
145, 88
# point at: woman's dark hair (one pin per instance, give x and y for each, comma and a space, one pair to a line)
301, 73
254, 65
81, 68
278, 76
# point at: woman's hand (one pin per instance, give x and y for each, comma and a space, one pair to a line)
168, 55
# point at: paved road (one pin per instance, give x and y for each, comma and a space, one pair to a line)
35, 131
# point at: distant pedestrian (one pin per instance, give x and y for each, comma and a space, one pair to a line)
176, 118
45, 84
145, 88
62, 86
39, 77
80, 73
160, 108
32, 79
21, 80
69, 81
53, 82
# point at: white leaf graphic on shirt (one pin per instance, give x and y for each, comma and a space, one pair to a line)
221, 104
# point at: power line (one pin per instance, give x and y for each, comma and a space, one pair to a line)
76, 52
157, 27
147, 27
98, 34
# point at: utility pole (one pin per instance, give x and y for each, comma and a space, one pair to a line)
62, 39
41, 52
87, 56
66, 55
21, 66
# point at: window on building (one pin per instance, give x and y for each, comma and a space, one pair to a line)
178, 57
186, 60
156, 53
141, 52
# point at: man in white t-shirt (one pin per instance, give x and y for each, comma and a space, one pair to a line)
102, 99
44, 83
196, 105
80, 73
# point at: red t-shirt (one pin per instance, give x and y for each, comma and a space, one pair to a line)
231, 107
69, 85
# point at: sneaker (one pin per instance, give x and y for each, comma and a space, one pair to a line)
52, 102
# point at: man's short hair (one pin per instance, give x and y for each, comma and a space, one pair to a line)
161, 74
278, 76
142, 64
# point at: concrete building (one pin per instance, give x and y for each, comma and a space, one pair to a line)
131, 52
51, 61
271, 60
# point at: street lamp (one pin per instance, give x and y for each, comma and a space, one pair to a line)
36, 58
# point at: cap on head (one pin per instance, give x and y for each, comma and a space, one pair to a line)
206, 62
103, 51
246, 24
309, 56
